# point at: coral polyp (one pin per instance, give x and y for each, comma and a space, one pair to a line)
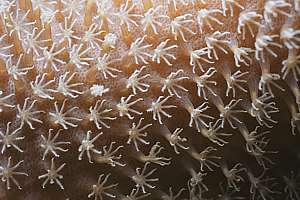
149, 99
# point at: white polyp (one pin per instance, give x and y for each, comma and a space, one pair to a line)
65, 87
241, 54
171, 83
49, 58
291, 65
274, 8
175, 2
134, 195
215, 41
197, 115
212, 133
126, 17
153, 156
108, 156
32, 43
176, 141
196, 57
10, 137
292, 183
203, 83
91, 37
8, 172
103, 64
66, 32
98, 114
79, 56
136, 134
161, 52
138, 51
16, 70
98, 90
261, 108
5, 49
233, 175
5, 102
247, 19
196, 181
110, 40
100, 188
73, 8
64, 118
52, 175
295, 123
268, 79
235, 80
19, 24
230, 4
135, 81
205, 17
194, 2
124, 106
103, 12
264, 43
290, 37
171, 195
227, 113
50, 145
39, 87
297, 6
87, 146
157, 108
142, 179
180, 24
27, 115
151, 19
205, 158
47, 9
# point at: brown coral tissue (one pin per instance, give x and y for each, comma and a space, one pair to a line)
149, 99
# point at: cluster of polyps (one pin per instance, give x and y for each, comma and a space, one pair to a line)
66, 60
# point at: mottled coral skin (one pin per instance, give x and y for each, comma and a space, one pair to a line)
79, 176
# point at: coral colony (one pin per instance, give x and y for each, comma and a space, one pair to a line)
149, 99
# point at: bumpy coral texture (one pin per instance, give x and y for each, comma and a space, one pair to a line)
149, 99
